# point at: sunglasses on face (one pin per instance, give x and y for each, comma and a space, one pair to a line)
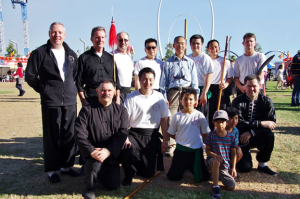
151, 47
121, 40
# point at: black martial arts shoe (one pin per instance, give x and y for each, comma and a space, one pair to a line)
54, 178
22, 93
89, 194
127, 181
71, 173
267, 170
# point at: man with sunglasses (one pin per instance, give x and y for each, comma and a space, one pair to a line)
179, 72
256, 122
124, 64
149, 61
95, 65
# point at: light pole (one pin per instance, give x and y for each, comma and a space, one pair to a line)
83, 44
16, 45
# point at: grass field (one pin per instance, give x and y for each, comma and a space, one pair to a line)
21, 158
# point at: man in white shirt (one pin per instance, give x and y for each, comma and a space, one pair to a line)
124, 64
249, 63
149, 61
147, 111
204, 67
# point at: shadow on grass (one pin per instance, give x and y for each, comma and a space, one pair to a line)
20, 99
288, 130
285, 107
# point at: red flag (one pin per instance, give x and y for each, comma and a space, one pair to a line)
112, 34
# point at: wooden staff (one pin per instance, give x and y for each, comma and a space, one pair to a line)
185, 32
142, 185
222, 76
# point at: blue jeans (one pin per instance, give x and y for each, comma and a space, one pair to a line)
296, 91
19, 86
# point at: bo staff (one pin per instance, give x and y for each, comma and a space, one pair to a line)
142, 185
222, 76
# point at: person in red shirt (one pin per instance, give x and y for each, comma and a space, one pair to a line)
18, 75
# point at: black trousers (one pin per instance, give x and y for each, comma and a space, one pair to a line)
58, 136
264, 142
185, 161
213, 103
105, 173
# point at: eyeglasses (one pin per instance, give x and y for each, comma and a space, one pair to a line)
121, 40
180, 43
151, 47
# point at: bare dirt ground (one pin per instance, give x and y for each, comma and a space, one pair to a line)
21, 159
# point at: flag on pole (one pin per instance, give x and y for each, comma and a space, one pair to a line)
12, 53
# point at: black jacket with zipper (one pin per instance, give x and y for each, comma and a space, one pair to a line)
43, 75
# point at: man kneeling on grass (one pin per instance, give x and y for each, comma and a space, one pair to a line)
188, 128
219, 145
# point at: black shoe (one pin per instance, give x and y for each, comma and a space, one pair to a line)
71, 173
127, 181
89, 194
54, 178
22, 93
267, 170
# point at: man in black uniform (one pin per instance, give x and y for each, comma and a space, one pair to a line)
100, 132
51, 71
256, 122
93, 66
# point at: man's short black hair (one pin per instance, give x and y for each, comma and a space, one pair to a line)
150, 40
176, 38
231, 111
197, 37
146, 70
189, 91
251, 77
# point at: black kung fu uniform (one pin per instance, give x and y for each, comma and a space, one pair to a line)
102, 127
251, 114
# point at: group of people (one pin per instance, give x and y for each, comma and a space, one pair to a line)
177, 97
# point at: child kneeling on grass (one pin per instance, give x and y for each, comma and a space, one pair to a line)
188, 127
233, 115
219, 145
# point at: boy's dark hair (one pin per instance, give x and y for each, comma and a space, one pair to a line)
146, 70
251, 77
249, 35
189, 91
197, 37
231, 111
150, 40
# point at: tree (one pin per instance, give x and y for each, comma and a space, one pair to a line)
258, 48
169, 52
10, 49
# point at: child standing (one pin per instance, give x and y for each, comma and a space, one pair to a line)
188, 127
219, 144
233, 115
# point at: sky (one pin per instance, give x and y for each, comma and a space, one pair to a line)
274, 22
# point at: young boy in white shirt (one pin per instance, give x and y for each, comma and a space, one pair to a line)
188, 127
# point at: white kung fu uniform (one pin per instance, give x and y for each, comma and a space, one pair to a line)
125, 68
249, 65
188, 129
155, 65
204, 66
145, 114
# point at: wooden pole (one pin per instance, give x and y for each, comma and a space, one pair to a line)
142, 185
185, 32
222, 76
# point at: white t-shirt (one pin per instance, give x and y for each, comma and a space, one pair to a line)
218, 65
146, 111
155, 64
204, 66
188, 128
125, 68
249, 65
60, 58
